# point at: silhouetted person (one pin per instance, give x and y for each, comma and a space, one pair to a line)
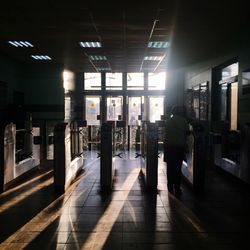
175, 142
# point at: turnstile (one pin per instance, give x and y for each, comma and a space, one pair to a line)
68, 159
107, 168
194, 165
150, 141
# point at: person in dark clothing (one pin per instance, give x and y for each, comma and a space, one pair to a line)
175, 141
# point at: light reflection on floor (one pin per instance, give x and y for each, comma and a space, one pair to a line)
128, 218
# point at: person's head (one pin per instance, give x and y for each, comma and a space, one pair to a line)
178, 110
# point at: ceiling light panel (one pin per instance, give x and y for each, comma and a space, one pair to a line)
97, 58
90, 44
20, 44
152, 58
41, 57
104, 69
158, 45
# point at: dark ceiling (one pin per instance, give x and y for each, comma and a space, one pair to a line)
195, 29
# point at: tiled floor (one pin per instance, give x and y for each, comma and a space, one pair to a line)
32, 216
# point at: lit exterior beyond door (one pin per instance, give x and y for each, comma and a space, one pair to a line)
114, 108
92, 110
134, 111
156, 108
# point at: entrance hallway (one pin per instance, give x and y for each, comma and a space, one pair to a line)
33, 217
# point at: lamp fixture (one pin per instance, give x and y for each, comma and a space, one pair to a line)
152, 58
20, 44
158, 45
90, 44
97, 58
41, 57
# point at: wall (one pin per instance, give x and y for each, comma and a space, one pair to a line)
203, 71
174, 89
41, 84
10, 72
44, 93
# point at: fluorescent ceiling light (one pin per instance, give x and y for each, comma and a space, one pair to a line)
152, 58
90, 44
20, 43
104, 69
158, 45
97, 58
41, 57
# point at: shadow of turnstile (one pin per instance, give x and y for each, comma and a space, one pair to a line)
194, 165
149, 142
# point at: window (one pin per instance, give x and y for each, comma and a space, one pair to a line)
92, 81
246, 82
229, 94
157, 81
135, 81
114, 81
230, 71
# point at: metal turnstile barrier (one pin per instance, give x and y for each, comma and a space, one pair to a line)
67, 162
2, 129
150, 153
194, 165
120, 138
20, 153
107, 169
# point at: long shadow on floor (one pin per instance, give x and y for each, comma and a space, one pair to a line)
19, 207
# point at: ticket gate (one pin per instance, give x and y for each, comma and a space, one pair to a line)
231, 149
150, 155
107, 169
68, 154
194, 165
2, 128
19, 152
